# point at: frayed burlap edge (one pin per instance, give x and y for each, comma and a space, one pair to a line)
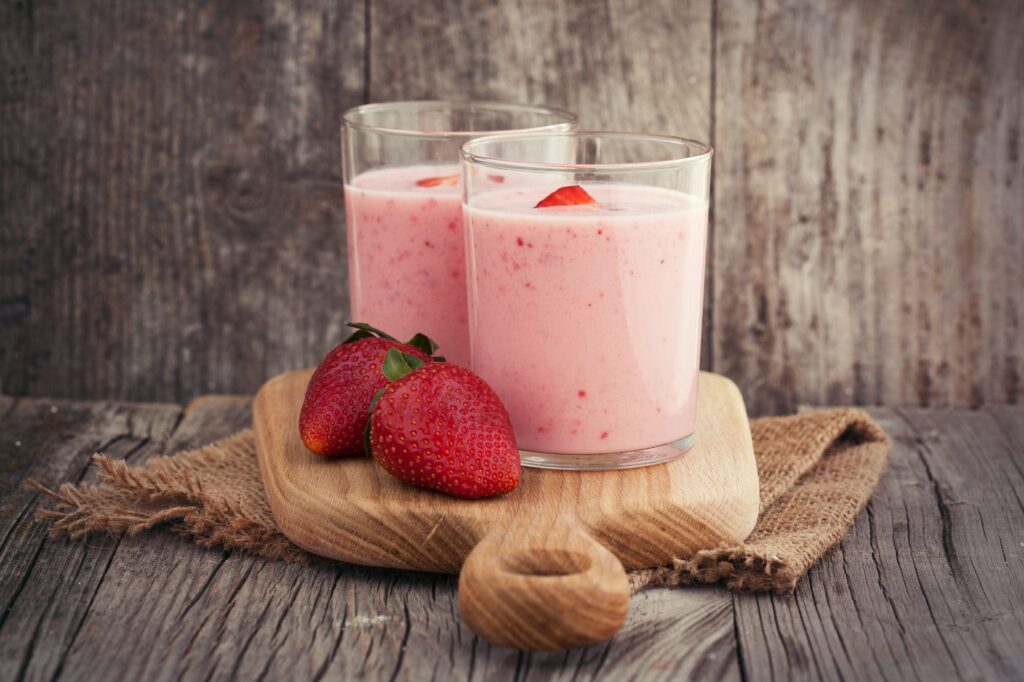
741, 568
818, 471
165, 491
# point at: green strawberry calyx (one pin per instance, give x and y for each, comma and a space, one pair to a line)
395, 366
421, 342
365, 331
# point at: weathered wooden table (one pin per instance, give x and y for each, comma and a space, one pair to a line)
929, 584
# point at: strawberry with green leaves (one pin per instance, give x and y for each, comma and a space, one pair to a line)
439, 426
337, 403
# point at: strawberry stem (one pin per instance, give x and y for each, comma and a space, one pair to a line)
420, 341
423, 343
357, 335
371, 331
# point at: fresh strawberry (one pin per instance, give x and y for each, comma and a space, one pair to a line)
570, 195
440, 426
336, 408
440, 180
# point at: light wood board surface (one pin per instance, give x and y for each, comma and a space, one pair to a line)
543, 564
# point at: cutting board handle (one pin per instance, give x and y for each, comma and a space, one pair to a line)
543, 588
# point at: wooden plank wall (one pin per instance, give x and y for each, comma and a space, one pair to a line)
170, 183
869, 202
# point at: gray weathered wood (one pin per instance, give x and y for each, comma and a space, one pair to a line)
620, 65
1011, 421
615, 65
171, 192
171, 196
928, 584
156, 607
154, 579
185, 157
869, 194
47, 586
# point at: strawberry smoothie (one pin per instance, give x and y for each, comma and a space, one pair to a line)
586, 319
406, 254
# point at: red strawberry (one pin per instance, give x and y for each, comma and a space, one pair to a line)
440, 426
440, 180
336, 407
570, 195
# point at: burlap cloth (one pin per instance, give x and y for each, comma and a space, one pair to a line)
817, 472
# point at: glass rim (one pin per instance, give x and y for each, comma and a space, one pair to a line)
467, 154
349, 118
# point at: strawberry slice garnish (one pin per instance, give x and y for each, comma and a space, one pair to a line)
438, 181
570, 195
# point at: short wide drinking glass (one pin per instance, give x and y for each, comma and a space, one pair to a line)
585, 270
406, 259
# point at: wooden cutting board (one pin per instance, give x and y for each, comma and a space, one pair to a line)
541, 567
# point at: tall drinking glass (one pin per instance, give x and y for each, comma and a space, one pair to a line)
406, 253
586, 277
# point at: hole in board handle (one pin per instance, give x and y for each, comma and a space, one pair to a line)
546, 562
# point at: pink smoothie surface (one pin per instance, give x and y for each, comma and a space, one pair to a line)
587, 320
406, 255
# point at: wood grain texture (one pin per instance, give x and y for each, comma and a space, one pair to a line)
47, 586
170, 172
170, 178
536, 571
927, 584
544, 587
159, 608
153, 580
868, 202
171, 182
354, 511
619, 64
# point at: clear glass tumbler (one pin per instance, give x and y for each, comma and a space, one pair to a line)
403, 214
586, 277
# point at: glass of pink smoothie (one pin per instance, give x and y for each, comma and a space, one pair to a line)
403, 211
585, 269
